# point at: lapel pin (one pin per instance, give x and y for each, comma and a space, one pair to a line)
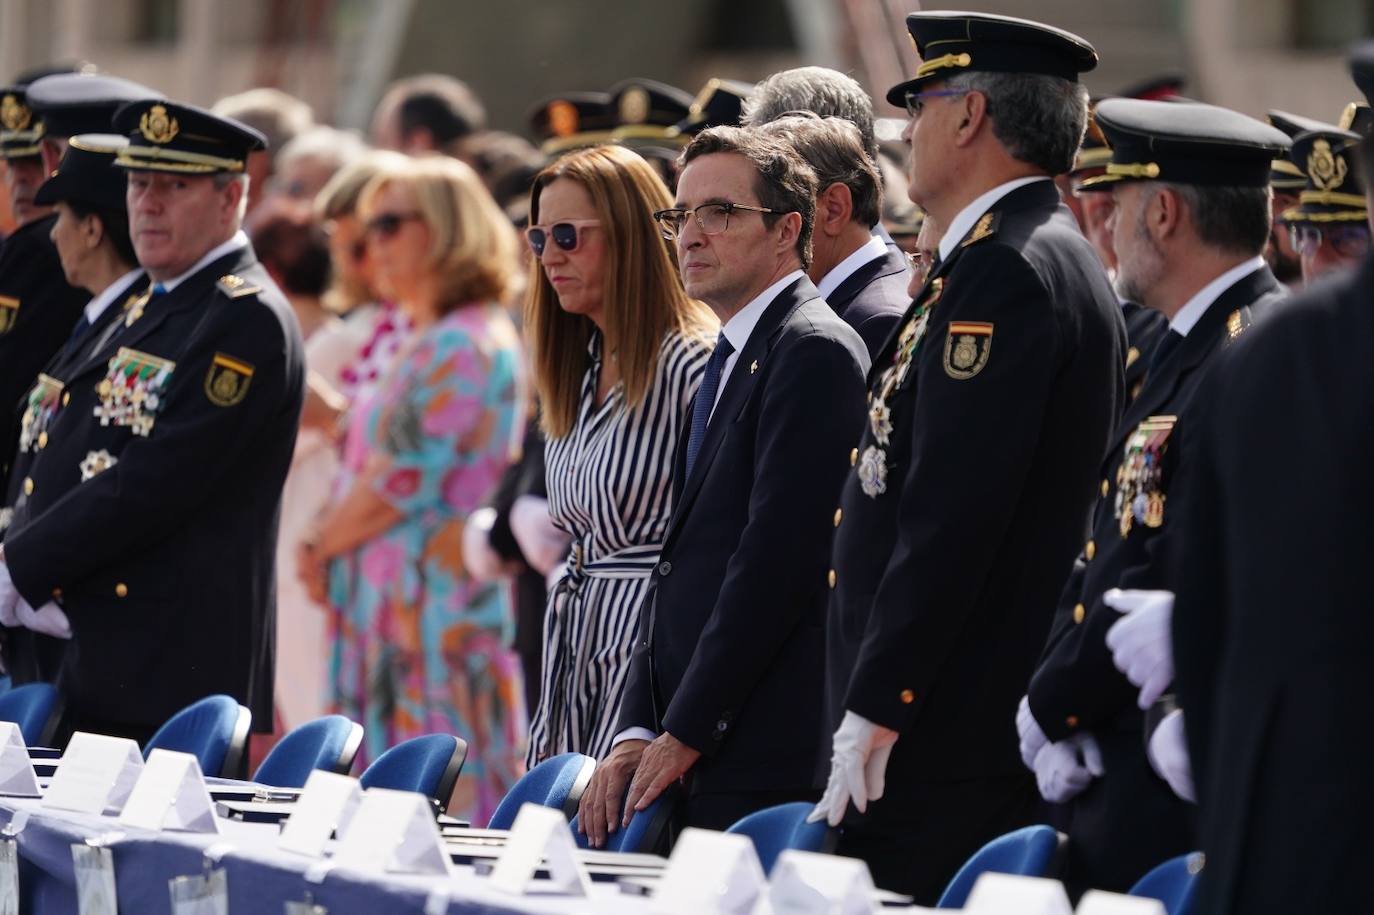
753, 367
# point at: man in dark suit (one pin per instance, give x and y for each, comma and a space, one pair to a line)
862, 279
1204, 214
723, 686
971, 484
148, 522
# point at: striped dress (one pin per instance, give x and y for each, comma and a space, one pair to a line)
610, 487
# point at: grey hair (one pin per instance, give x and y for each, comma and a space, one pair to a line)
1038, 119
337, 147
224, 179
829, 93
1235, 220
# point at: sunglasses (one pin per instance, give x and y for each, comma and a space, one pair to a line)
566, 235
1347, 241
386, 225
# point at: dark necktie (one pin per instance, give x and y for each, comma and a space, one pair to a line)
1166, 345
706, 399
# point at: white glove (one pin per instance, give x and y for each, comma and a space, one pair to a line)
1168, 753
1064, 769
9, 597
1141, 644
482, 562
47, 619
540, 540
1032, 737
858, 768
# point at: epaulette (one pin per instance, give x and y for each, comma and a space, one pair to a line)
983, 228
1237, 322
236, 287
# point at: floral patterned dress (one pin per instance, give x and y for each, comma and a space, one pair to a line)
417, 647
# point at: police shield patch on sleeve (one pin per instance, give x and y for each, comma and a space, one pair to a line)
967, 346
227, 381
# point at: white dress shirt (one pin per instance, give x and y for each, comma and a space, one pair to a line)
1193, 310
866, 253
960, 225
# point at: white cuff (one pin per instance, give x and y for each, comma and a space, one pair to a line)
633, 734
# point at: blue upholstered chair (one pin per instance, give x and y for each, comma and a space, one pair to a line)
34, 707
213, 730
645, 832
557, 782
428, 765
774, 830
5, 684
1173, 883
1035, 851
329, 743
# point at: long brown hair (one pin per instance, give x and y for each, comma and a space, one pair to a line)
642, 292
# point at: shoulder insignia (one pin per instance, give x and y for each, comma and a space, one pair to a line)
226, 383
1132, 355
9, 313
236, 287
1235, 325
967, 347
983, 228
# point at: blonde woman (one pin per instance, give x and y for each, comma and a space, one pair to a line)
418, 645
618, 350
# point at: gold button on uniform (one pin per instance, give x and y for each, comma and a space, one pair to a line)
1078, 613
121, 590
853, 456
28, 486
1090, 550
1105, 487
839, 513
1071, 721
42, 440
908, 697
832, 578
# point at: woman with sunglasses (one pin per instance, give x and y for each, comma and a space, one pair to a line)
618, 350
418, 646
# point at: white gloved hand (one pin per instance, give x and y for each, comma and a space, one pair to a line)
1141, 643
858, 768
1168, 753
9, 597
482, 562
47, 619
1032, 737
543, 543
1064, 769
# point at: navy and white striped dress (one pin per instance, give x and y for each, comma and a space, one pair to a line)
610, 487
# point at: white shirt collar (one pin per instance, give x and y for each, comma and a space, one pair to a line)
869, 251
960, 225
240, 240
739, 327
97, 305
880, 231
1193, 310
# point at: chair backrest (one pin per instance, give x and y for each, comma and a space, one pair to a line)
428, 765
35, 708
1035, 851
213, 730
329, 743
557, 782
774, 830
646, 830
1173, 883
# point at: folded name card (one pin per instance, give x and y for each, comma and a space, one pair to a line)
1096, 902
170, 794
805, 883
710, 872
998, 894
326, 805
17, 775
393, 832
540, 835
96, 772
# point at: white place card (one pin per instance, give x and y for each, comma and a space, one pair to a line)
170, 794
1097, 902
324, 807
805, 883
393, 832
96, 772
710, 872
17, 775
998, 894
540, 835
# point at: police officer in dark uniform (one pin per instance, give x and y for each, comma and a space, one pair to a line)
149, 520
1329, 226
989, 410
1195, 178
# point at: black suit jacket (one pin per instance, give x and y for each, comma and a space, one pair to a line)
1273, 634
873, 298
970, 494
730, 645
163, 556
1129, 820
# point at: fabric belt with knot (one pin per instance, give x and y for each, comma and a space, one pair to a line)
629, 563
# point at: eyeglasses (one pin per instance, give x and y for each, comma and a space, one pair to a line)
712, 218
565, 234
915, 101
386, 225
1347, 241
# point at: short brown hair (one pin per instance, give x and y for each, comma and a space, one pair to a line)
472, 248
783, 181
834, 149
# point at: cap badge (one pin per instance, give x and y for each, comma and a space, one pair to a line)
1326, 170
634, 106
563, 118
13, 114
157, 126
